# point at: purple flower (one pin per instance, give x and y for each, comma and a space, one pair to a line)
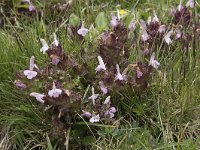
19, 84
94, 96
162, 29
103, 88
86, 114
55, 93
119, 75
178, 34
45, 46
101, 65
190, 3
139, 73
180, 6
55, 60
114, 21
154, 63
111, 112
144, 33
39, 97
132, 25
172, 11
31, 7
30, 74
82, 31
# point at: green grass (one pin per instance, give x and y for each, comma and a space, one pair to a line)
165, 117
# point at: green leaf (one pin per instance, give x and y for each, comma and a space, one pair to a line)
74, 20
50, 147
88, 140
101, 21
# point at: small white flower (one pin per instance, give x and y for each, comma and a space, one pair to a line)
39, 97
55, 43
144, 33
118, 14
94, 96
190, 3
162, 29
155, 18
107, 100
119, 75
154, 63
143, 24
45, 46
149, 20
82, 31
132, 25
101, 65
103, 88
180, 6
95, 118
30, 74
55, 93
113, 21
167, 37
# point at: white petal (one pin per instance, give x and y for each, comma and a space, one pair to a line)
103, 88
45, 46
55, 42
107, 100
119, 75
95, 118
39, 97
101, 65
82, 31
30, 74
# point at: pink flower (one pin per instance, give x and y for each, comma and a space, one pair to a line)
101, 65
119, 75
103, 88
30, 74
39, 97
154, 63
94, 96
82, 31
55, 93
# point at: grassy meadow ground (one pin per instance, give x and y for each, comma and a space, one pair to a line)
165, 116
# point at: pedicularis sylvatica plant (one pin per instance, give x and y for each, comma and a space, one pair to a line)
57, 85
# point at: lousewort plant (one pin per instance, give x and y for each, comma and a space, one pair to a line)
58, 86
